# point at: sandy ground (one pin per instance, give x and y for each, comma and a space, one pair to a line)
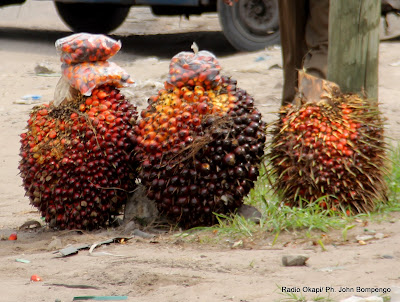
166, 268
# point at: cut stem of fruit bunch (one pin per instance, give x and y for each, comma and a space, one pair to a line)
331, 146
199, 142
75, 159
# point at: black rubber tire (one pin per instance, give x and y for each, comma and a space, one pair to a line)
10, 2
92, 17
250, 25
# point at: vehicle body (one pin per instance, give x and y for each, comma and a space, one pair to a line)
248, 25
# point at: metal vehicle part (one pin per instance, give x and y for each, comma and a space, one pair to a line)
250, 24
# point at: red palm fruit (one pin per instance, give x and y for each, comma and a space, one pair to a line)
79, 177
36, 278
196, 149
13, 236
333, 150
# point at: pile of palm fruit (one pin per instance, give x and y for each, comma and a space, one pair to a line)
75, 156
329, 148
197, 147
199, 142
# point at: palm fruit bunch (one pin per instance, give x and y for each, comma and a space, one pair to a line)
199, 142
75, 159
75, 155
331, 150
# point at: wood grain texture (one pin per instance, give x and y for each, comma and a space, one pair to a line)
354, 45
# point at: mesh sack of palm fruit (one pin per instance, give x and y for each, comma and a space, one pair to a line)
85, 65
75, 158
328, 147
84, 47
199, 142
188, 68
86, 76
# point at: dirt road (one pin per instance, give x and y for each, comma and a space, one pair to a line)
166, 268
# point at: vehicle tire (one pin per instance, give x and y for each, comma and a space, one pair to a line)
92, 17
250, 25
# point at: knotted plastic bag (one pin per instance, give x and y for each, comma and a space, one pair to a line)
188, 68
84, 47
86, 76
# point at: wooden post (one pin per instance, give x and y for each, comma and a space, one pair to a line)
354, 45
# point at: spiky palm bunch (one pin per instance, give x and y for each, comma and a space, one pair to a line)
334, 148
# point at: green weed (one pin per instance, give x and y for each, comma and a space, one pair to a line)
278, 218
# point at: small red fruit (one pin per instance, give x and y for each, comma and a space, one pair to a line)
52, 134
13, 236
35, 278
43, 112
101, 95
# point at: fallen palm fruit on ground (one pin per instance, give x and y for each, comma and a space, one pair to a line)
75, 159
199, 142
333, 148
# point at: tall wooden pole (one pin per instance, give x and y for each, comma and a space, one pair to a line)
354, 45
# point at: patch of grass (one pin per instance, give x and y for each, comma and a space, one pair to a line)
293, 297
383, 210
393, 181
233, 226
386, 298
275, 219
345, 230
278, 218
308, 217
